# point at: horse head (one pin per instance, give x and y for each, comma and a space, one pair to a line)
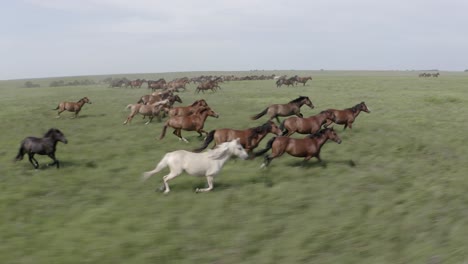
330, 133
363, 107
273, 128
56, 134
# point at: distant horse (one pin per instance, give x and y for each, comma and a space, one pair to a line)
188, 110
303, 80
159, 84
209, 85
72, 106
306, 125
150, 110
207, 164
348, 115
194, 122
42, 146
307, 147
291, 108
137, 83
249, 138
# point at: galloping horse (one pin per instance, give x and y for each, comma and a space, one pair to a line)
307, 125
291, 108
137, 83
249, 138
42, 146
307, 147
150, 110
348, 115
206, 164
194, 122
303, 80
209, 85
72, 106
188, 110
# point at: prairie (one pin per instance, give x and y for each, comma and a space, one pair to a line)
394, 190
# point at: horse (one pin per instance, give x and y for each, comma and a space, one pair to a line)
303, 80
307, 147
291, 108
72, 106
307, 125
42, 146
348, 115
249, 138
207, 164
150, 110
188, 110
209, 85
137, 83
193, 122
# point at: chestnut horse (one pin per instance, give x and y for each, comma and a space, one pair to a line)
291, 108
348, 115
72, 106
307, 147
194, 122
249, 138
307, 125
188, 110
150, 110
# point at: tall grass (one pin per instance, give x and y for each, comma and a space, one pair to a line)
392, 192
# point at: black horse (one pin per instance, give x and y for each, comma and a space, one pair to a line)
42, 146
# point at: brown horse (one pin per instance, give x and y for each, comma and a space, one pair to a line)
193, 122
209, 85
303, 80
187, 110
249, 138
307, 125
291, 108
72, 106
150, 110
348, 115
307, 147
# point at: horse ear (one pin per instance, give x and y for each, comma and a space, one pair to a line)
238, 140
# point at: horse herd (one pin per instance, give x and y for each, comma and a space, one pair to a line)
227, 141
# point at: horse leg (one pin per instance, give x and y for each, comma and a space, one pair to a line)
277, 119
56, 162
269, 158
33, 160
171, 175
209, 179
149, 121
59, 112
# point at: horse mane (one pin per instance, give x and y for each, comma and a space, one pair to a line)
52, 131
319, 133
356, 107
219, 152
195, 103
300, 98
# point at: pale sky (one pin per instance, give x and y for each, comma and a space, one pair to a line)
46, 38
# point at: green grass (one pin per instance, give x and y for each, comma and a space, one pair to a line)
393, 192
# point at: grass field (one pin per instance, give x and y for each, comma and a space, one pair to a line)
402, 201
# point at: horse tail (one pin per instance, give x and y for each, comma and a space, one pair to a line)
140, 101
58, 106
163, 133
257, 116
208, 140
128, 106
20, 153
161, 165
268, 147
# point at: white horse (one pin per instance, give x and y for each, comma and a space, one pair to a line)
198, 164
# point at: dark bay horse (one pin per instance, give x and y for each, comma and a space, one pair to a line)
188, 110
307, 147
303, 80
306, 125
249, 138
194, 122
347, 116
41, 146
291, 108
72, 106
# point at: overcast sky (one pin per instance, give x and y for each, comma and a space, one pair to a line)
44, 38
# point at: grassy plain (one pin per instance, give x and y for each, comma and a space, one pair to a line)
402, 201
